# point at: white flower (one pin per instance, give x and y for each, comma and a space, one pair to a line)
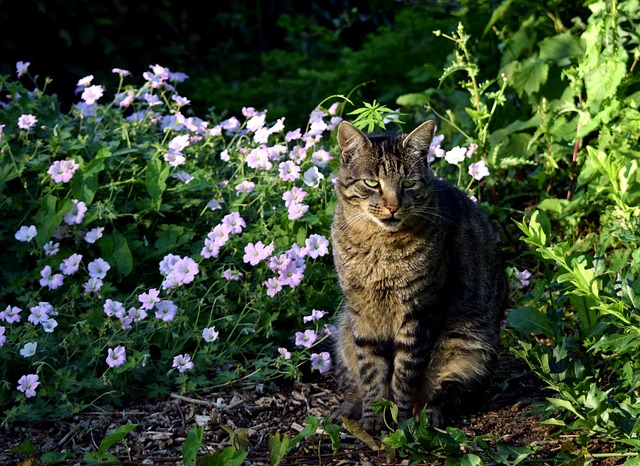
29, 349
456, 155
312, 177
26, 234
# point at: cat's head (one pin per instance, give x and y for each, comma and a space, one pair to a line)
385, 179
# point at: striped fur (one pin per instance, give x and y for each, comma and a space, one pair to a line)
424, 288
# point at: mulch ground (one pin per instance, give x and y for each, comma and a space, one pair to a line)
163, 425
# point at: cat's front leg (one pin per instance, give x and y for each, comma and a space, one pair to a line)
374, 368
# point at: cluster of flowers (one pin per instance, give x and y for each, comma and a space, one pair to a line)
477, 170
319, 361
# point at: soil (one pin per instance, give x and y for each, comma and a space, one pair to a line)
162, 425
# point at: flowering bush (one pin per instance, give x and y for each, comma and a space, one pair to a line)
148, 249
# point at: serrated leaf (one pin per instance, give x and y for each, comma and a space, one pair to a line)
561, 47
529, 75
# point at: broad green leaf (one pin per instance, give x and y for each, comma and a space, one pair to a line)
358, 432
529, 75
561, 47
191, 446
529, 320
278, 448
116, 436
417, 99
157, 174
115, 250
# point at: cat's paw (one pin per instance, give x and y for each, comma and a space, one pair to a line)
373, 424
350, 409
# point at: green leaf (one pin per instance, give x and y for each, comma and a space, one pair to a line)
116, 436
278, 448
157, 174
227, 457
115, 250
191, 446
358, 432
84, 184
529, 320
529, 75
561, 47
498, 13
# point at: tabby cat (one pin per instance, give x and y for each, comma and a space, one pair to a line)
424, 288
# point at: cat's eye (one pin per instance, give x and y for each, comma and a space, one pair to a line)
408, 184
371, 183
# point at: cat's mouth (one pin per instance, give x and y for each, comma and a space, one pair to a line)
391, 222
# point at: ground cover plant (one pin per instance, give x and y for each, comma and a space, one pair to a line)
146, 250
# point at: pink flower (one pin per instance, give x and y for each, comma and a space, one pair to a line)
91, 94
524, 277
70, 265
233, 222
273, 286
312, 177
284, 353
321, 158
11, 314
316, 245
292, 274
245, 187
112, 308
256, 253
182, 362
321, 362
21, 68
116, 356
62, 171
149, 299
28, 384
3, 338
98, 268
232, 275
185, 270
315, 315
294, 196
27, 121
210, 334
289, 171
478, 170
76, 214
306, 339
51, 281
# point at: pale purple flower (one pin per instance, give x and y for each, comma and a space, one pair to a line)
125, 99
256, 122
62, 171
284, 353
121, 72
273, 286
50, 280
219, 235
312, 177
21, 68
137, 314
179, 143
116, 356
98, 268
184, 177
258, 159
214, 204
232, 275
210, 249
315, 315
316, 245
151, 99
306, 338
297, 210
49, 325
478, 170
185, 270
321, 362
289, 171
29, 349
84, 82
11, 314
523, 277
27, 121
473, 147
232, 124
92, 285
292, 274
167, 263
254, 253
3, 338
233, 222
321, 158
210, 334
294, 196
76, 214
261, 136
456, 155
38, 314
51, 248
26, 233
149, 299
245, 187
93, 235
293, 135
330, 330
166, 310
92, 93
27, 384
182, 362
434, 148
70, 265
112, 308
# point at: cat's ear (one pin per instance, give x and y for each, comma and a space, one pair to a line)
420, 138
351, 140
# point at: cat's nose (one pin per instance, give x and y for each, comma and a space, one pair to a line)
392, 208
